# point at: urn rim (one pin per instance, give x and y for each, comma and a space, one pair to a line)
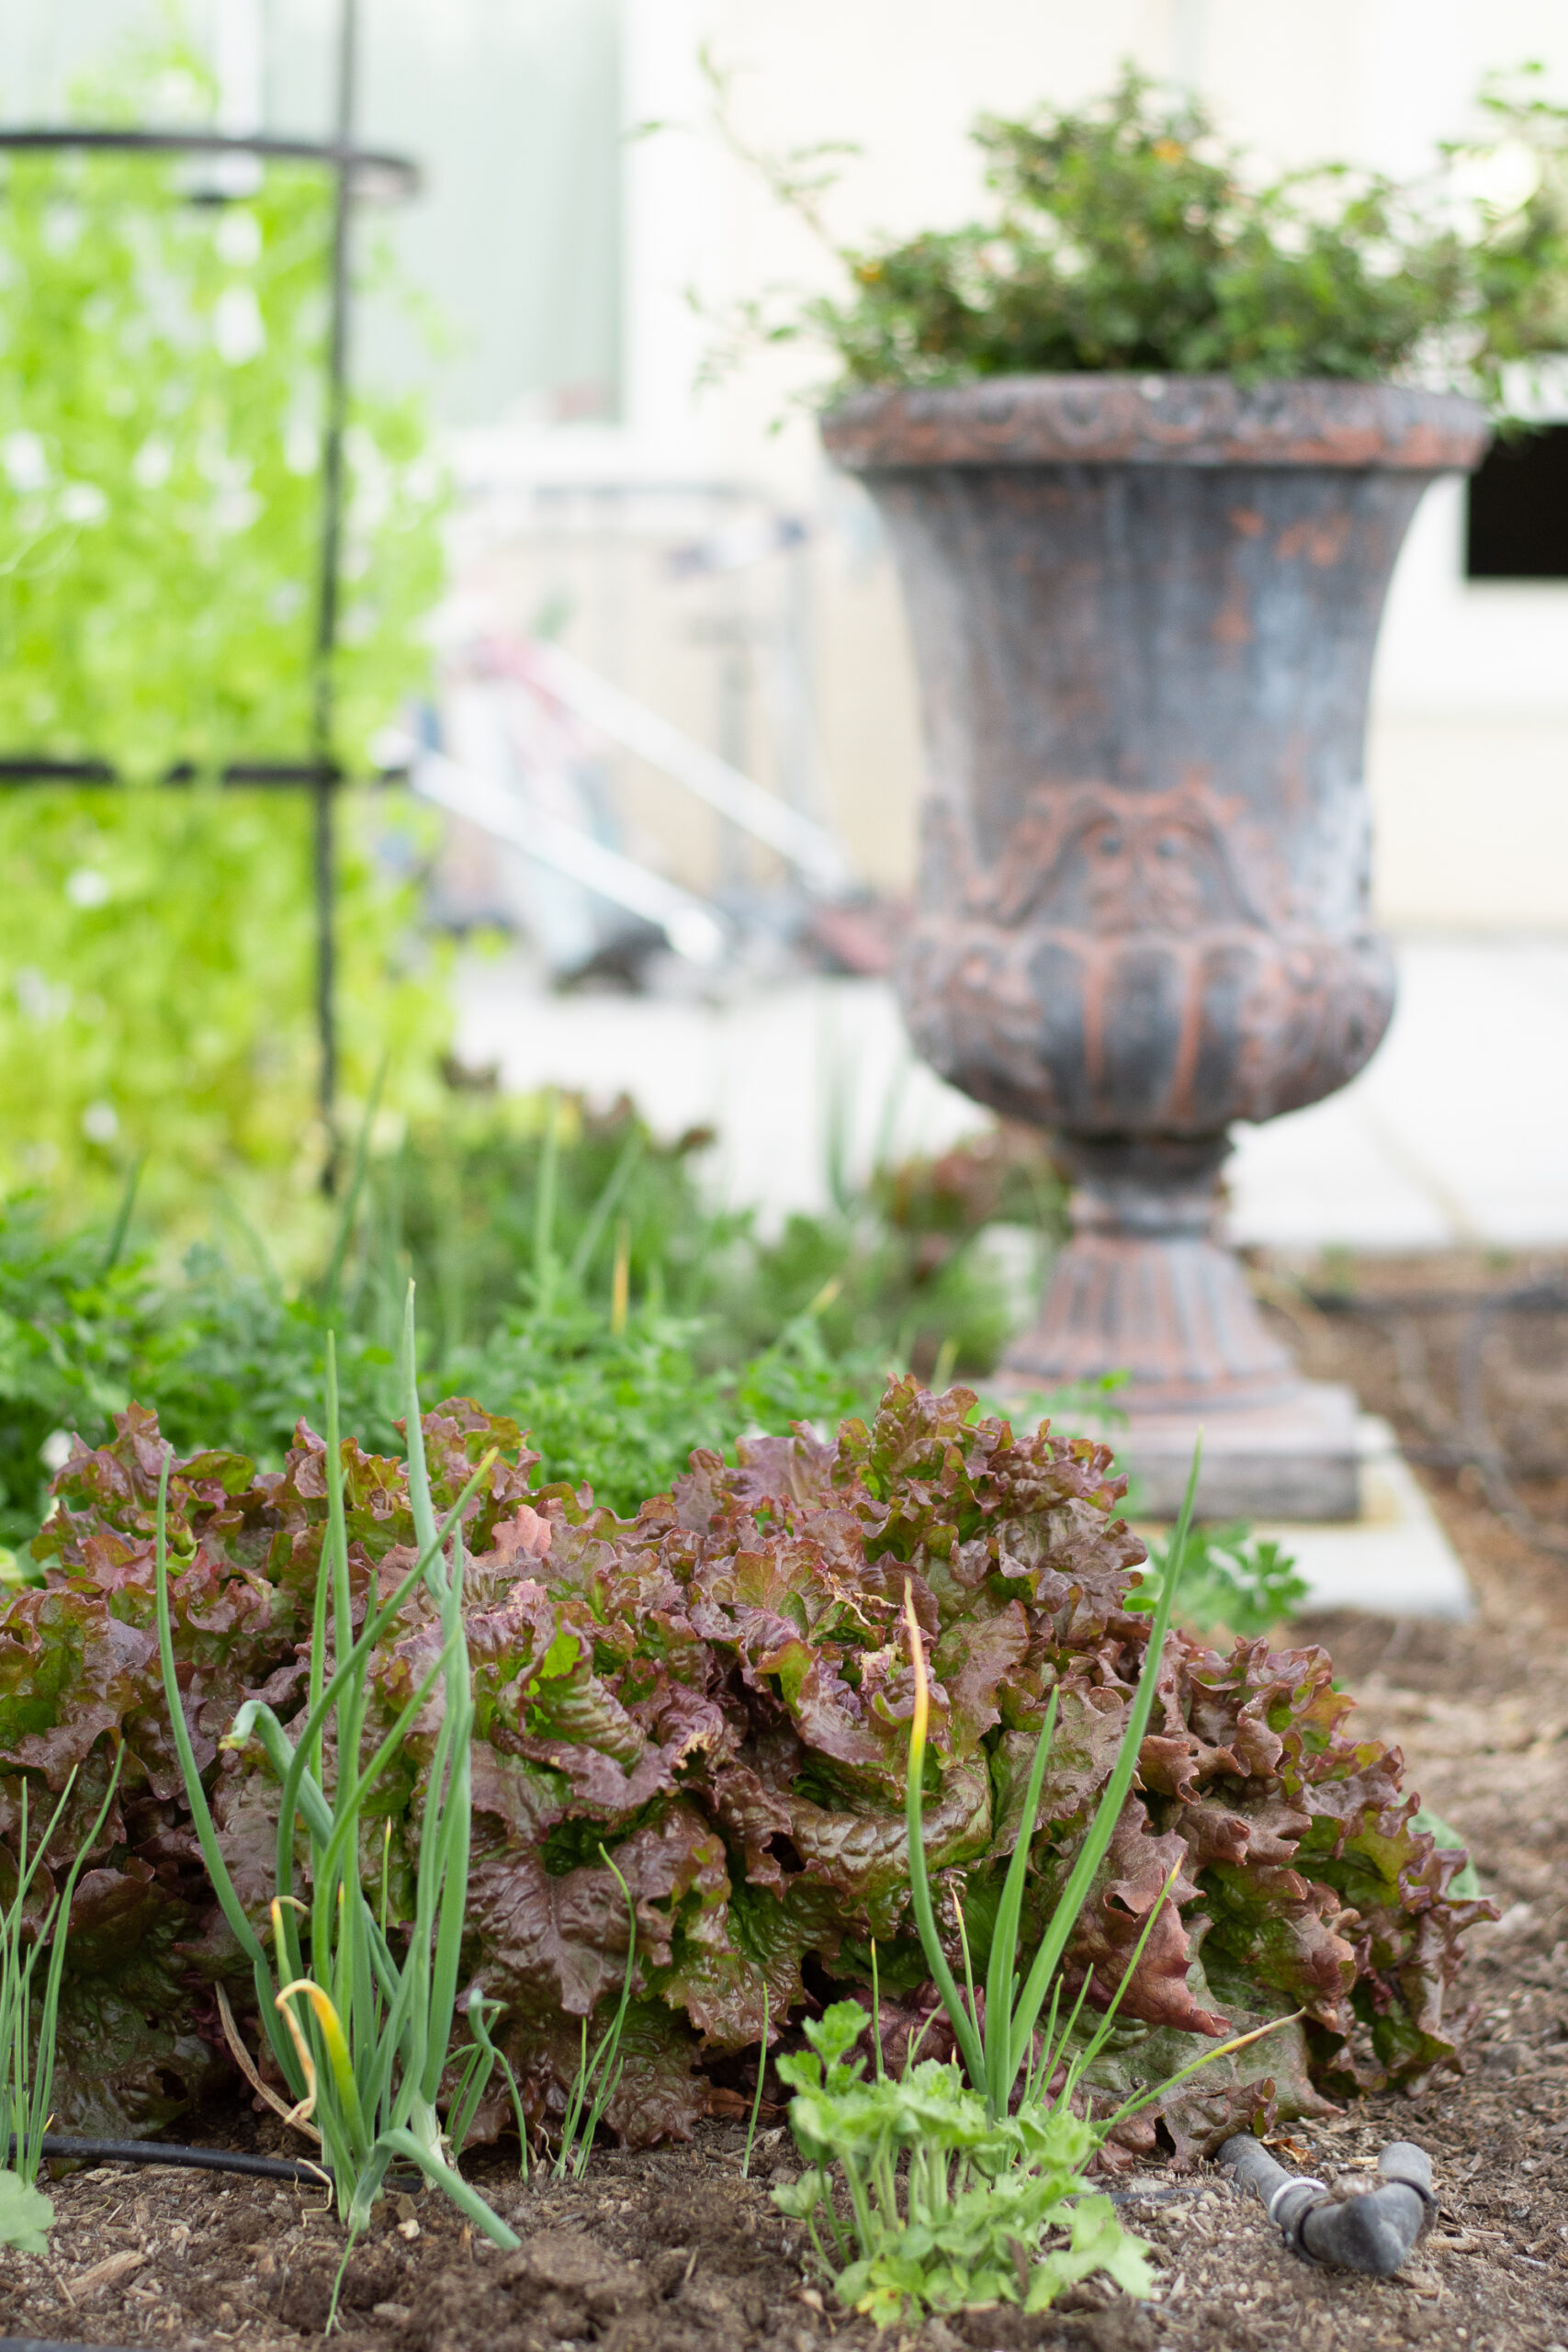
1157, 420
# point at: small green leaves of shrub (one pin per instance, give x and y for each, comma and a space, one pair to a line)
949, 2204
1231, 1579
1126, 235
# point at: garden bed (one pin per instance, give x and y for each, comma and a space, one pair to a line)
671, 2247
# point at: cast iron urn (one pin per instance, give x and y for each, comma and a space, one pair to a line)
1143, 613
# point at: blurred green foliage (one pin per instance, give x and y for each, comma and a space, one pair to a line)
157, 977
1128, 235
160, 410
898, 1266
1232, 1581
161, 416
524, 1223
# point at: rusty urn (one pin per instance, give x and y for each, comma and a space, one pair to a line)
1144, 612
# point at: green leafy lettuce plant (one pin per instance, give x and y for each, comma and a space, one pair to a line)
717, 1694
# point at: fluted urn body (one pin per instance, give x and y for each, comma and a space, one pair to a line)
1143, 614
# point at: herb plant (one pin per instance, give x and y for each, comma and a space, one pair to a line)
1127, 235
722, 1328
948, 2203
1230, 1578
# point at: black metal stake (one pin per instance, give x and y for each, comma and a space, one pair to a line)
323, 700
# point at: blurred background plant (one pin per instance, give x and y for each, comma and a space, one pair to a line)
157, 996
159, 510
571, 1273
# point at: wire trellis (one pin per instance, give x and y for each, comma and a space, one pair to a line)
357, 173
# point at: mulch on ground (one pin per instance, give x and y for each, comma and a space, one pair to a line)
672, 2248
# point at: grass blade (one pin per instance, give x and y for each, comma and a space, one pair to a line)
123, 1215
201, 1817
1092, 1851
43, 2082
332, 1284
604, 1208
1002, 1971
963, 2023
762, 2068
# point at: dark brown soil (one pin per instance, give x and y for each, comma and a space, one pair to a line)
673, 2249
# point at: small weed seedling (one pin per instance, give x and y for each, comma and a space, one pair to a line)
593, 2086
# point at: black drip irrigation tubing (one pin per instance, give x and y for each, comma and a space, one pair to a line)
157, 2151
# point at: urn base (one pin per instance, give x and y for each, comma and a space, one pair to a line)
1299, 1460
1147, 1287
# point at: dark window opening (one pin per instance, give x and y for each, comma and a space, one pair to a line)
1519, 509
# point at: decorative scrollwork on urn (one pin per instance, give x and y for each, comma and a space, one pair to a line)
1136, 962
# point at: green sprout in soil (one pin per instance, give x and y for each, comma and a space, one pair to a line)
27, 2042
361, 2023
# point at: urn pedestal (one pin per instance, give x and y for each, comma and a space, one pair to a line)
1143, 613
